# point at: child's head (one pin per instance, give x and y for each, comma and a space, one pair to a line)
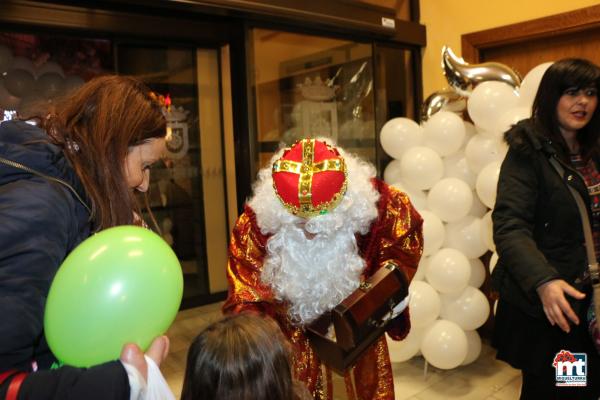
240, 357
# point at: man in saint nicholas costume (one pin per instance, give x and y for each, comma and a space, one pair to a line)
318, 225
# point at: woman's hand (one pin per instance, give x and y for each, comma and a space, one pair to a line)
158, 350
555, 303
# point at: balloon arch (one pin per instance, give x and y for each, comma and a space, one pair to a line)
449, 167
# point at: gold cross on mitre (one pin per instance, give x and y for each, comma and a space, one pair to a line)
306, 171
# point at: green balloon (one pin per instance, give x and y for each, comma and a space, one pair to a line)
121, 285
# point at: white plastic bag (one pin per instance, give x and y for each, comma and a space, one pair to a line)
156, 388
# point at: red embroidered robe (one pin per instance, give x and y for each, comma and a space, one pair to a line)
396, 235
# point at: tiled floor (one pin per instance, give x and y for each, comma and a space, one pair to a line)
485, 379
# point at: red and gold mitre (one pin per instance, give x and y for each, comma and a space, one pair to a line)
310, 178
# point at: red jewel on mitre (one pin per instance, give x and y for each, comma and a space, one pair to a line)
310, 178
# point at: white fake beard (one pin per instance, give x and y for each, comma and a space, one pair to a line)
314, 275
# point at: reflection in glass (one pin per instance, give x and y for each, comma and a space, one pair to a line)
311, 86
175, 192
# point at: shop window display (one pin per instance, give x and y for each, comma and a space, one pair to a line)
310, 86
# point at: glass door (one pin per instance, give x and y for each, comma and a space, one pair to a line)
306, 85
189, 191
311, 86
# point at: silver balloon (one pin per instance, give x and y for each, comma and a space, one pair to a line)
463, 76
445, 99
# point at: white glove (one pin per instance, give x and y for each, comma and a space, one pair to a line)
400, 307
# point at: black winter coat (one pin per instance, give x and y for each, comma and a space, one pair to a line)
537, 227
42, 218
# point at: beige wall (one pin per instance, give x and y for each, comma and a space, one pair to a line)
447, 20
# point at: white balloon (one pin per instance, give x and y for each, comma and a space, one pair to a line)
19, 82
50, 67
433, 232
448, 271
481, 150
488, 101
7, 100
530, 84
511, 117
24, 64
400, 134
470, 131
477, 273
493, 262
417, 197
473, 347
421, 269
407, 348
444, 132
487, 133
450, 199
456, 166
478, 209
469, 309
72, 82
495, 306
6, 58
487, 231
444, 345
491, 134
487, 183
464, 235
421, 167
49, 85
391, 174
424, 303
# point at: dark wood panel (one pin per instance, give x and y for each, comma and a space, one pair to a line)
53, 15
524, 56
336, 16
547, 28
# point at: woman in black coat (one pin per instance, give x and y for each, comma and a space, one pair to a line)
541, 272
72, 175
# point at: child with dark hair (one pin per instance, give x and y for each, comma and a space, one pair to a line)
241, 357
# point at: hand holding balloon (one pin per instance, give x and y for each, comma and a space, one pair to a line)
133, 355
122, 285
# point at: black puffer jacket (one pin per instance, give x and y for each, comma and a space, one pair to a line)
537, 227
41, 220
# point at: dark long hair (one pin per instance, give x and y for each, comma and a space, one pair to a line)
96, 125
561, 75
241, 357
